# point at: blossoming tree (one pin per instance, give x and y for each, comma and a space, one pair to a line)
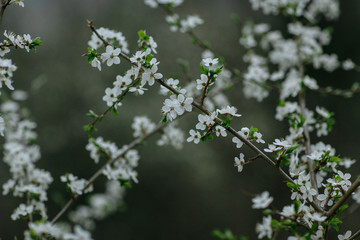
320, 189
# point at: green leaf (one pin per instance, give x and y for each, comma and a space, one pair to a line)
226, 122
92, 53
297, 205
164, 118
267, 212
114, 110
92, 114
141, 34
90, 129
275, 223
218, 70
148, 58
335, 159
342, 208
35, 43
334, 223
204, 70
125, 183
290, 150
226, 235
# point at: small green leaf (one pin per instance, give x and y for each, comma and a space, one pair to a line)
141, 34
125, 183
164, 118
275, 223
92, 53
297, 205
218, 70
35, 43
204, 70
267, 212
342, 208
148, 58
114, 110
92, 114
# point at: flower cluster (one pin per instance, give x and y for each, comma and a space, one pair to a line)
20, 154
75, 185
7, 68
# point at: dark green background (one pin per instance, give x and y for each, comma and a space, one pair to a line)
181, 194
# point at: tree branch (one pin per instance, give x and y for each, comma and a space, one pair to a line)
4, 4
281, 172
96, 175
339, 203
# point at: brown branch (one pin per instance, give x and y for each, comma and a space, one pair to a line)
96, 175
204, 94
339, 203
355, 235
4, 4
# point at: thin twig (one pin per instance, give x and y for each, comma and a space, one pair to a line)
4, 4
96, 175
339, 203
302, 103
355, 235
205, 89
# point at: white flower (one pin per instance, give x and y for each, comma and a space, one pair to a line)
229, 111
138, 90
172, 83
110, 96
151, 74
210, 63
96, 63
258, 137
111, 56
189, 23
239, 162
236, 140
139, 56
169, 108
347, 162
245, 131
19, 95
195, 136
345, 237
4, 50
22, 211
2, 126
200, 83
77, 186
348, 64
283, 143
152, 44
219, 130
184, 104
205, 121
264, 229
322, 112
272, 148
142, 126
262, 201
307, 191
288, 211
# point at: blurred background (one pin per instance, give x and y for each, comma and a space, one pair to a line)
181, 194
